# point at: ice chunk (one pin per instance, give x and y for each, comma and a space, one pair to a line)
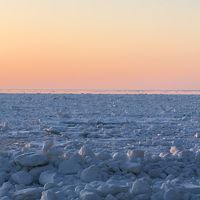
31, 159
70, 166
131, 167
86, 151
110, 197
174, 150
141, 186
92, 173
47, 177
173, 194
3, 177
22, 178
88, 195
47, 145
28, 194
135, 154
48, 195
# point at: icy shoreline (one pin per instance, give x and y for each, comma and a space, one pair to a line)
57, 173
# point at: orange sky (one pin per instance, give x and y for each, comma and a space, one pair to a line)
95, 44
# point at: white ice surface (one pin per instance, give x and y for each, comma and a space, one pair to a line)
122, 126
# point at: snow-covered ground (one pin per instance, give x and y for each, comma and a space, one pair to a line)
95, 147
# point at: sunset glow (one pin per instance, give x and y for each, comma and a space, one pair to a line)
100, 44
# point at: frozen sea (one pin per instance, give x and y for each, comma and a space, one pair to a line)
114, 121
141, 145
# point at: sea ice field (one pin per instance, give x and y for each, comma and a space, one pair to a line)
99, 147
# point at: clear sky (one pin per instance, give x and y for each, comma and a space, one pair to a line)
100, 44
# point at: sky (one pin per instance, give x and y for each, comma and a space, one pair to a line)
100, 44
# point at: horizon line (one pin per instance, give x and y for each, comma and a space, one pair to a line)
101, 91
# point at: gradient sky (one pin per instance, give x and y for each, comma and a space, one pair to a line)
100, 44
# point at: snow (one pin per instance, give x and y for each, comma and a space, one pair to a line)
113, 147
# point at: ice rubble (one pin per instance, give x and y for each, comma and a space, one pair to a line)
85, 175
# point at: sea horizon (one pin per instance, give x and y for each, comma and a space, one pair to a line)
98, 91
